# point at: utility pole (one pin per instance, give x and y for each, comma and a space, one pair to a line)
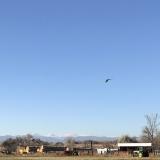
92, 147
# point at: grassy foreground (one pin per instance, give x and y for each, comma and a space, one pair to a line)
73, 158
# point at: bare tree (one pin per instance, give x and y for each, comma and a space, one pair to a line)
150, 131
70, 143
127, 139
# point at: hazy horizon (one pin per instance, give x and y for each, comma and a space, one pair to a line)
56, 55
60, 135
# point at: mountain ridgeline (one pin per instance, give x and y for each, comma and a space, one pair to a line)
55, 139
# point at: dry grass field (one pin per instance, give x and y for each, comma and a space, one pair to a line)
73, 158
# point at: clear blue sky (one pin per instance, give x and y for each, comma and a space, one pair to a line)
56, 55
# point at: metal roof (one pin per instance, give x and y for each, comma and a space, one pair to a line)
134, 144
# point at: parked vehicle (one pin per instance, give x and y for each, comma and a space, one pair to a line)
141, 153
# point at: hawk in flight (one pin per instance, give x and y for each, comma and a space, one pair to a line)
107, 80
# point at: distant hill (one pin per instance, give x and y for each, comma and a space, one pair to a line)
95, 138
62, 139
3, 138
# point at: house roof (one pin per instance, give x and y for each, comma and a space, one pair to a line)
134, 144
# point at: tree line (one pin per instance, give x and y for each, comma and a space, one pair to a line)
150, 134
10, 145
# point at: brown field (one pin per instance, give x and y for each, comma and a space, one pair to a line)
73, 158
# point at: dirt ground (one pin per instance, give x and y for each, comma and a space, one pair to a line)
74, 158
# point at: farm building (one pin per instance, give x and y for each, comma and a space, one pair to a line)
135, 149
22, 149
134, 146
28, 149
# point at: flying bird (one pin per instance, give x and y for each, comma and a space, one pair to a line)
107, 80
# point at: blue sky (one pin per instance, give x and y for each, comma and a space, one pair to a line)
56, 55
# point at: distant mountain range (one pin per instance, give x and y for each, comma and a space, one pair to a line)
63, 139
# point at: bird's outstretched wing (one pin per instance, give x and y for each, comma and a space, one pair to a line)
107, 80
